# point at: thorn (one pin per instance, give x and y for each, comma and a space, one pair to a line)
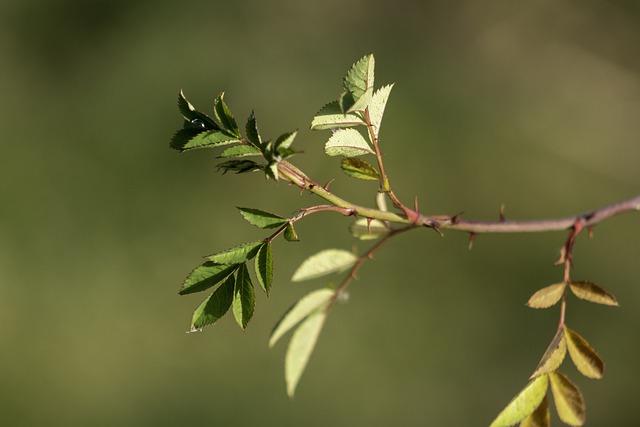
454, 219
502, 217
328, 184
472, 239
563, 256
590, 231
415, 204
436, 227
369, 225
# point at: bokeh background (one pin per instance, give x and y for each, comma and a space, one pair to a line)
532, 104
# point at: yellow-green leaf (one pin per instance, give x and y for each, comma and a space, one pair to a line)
377, 105
523, 404
554, 356
324, 262
583, 355
593, 293
297, 312
568, 399
540, 417
368, 229
347, 143
546, 297
300, 348
331, 117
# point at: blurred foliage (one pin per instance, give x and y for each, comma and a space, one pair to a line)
534, 105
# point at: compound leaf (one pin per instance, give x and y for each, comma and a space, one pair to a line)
244, 299
300, 348
214, 307
583, 355
306, 305
261, 219
347, 143
524, 403
324, 262
264, 267
569, 401
360, 169
237, 254
546, 297
205, 276
593, 293
553, 356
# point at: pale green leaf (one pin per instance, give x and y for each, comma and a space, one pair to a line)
324, 262
331, 117
583, 355
264, 267
368, 229
568, 399
244, 299
300, 348
524, 403
358, 83
377, 106
262, 219
593, 293
291, 234
347, 143
540, 417
240, 151
311, 302
360, 169
215, 306
205, 276
553, 356
237, 254
546, 297
223, 116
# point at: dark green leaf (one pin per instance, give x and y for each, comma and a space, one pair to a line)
206, 276
215, 306
223, 116
290, 233
262, 219
206, 139
238, 166
244, 299
360, 169
240, 151
195, 118
253, 135
237, 254
284, 141
264, 267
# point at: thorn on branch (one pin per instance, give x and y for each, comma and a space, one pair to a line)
472, 239
328, 184
501, 213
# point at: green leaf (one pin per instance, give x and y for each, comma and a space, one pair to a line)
209, 139
237, 254
244, 299
205, 276
324, 262
262, 219
284, 141
264, 267
358, 84
240, 151
583, 355
300, 348
546, 297
223, 116
540, 417
593, 293
360, 169
569, 401
331, 116
271, 171
214, 307
347, 143
182, 137
253, 135
194, 117
376, 107
368, 229
238, 166
309, 303
524, 403
554, 356
290, 233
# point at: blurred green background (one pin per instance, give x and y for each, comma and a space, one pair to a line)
532, 104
